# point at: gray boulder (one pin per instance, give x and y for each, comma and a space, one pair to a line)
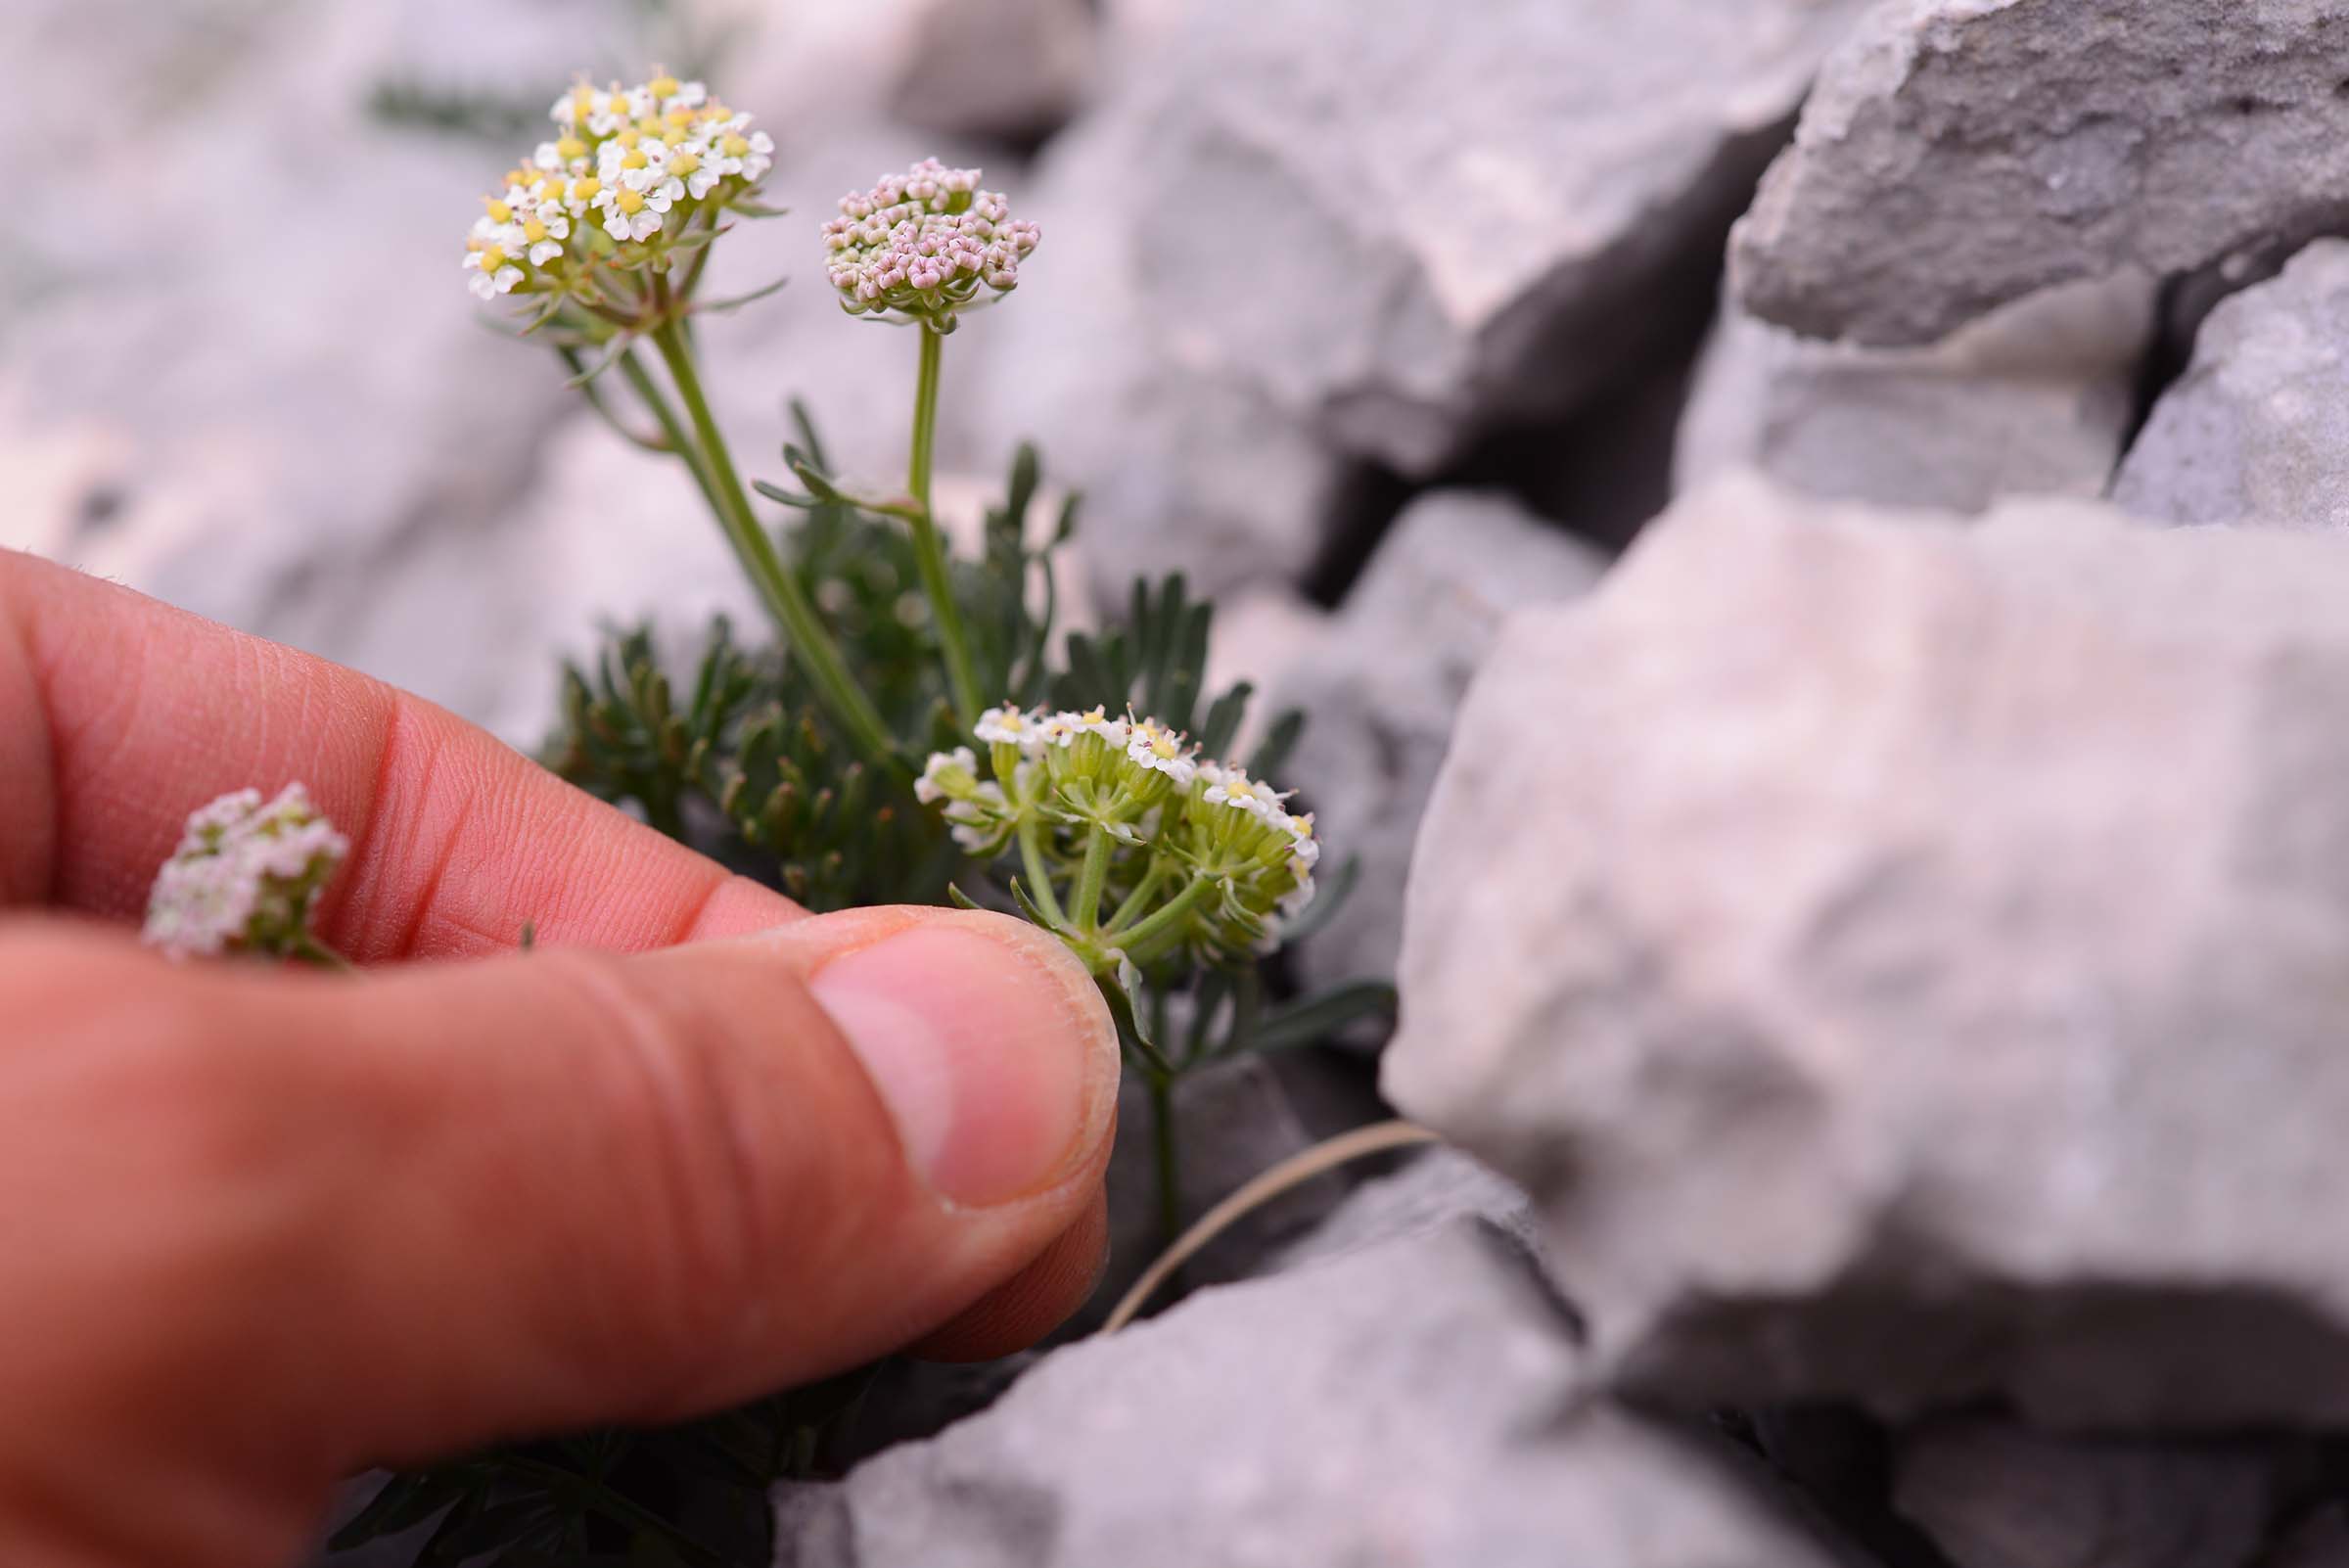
2036, 399
1905, 961
2258, 427
1282, 239
1958, 154
1426, 224
1185, 466
1411, 1406
1380, 691
1995, 1495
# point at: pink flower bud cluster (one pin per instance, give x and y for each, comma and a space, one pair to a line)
922, 243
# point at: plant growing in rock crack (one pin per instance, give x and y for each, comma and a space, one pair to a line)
912, 734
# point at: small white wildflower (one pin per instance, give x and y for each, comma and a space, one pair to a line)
646, 166
981, 820
1097, 722
1302, 843
1162, 750
493, 272
945, 774
245, 875
1008, 726
1234, 788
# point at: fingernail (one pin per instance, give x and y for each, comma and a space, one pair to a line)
990, 1045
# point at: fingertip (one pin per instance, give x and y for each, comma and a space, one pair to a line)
1033, 1302
987, 1040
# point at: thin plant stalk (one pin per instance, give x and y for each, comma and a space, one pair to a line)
1167, 1157
929, 550
672, 429
809, 639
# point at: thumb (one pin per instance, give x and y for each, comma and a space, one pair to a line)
477, 1200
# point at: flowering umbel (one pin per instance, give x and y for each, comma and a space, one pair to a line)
922, 243
631, 175
1133, 847
245, 877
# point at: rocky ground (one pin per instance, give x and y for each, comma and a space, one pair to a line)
1884, 933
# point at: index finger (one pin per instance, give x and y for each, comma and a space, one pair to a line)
118, 716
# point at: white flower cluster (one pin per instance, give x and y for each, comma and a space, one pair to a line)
1145, 784
923, 243
628, 173
245, 876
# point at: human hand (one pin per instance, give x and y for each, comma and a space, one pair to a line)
262, 1227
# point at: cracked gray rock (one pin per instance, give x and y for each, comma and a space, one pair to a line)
1412, 1404
1958, 154
1904, 960
1275, 248
1422, 226
2257, 429
2036, 399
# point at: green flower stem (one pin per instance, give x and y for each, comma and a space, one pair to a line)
814, 645
1032, 855
672, 429
1139, 899
929, 550
1085, 902
1165, 921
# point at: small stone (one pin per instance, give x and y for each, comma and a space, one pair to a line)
1960, 153
1903, 961
2036, 399
2257, 430
1436, 1189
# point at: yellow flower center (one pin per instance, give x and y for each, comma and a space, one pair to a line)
649, 125
635, 160
533, 231
499, 212
583, 103
568, 148
516, 178
680, 117
586, 188
631, 202
1164, 746
627, 136
493, 259
682, 163
663, 86
733, 146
